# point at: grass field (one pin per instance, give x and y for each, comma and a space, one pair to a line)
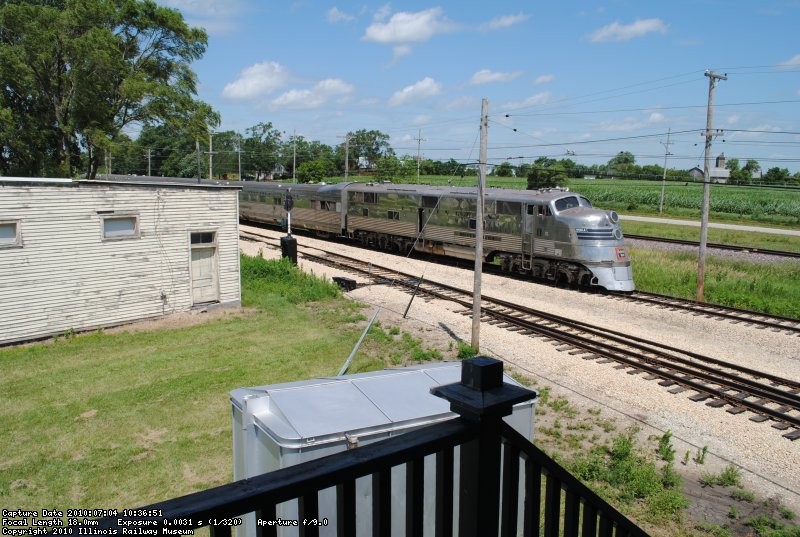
121, 420
769, 287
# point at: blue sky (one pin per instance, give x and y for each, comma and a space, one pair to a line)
580, 79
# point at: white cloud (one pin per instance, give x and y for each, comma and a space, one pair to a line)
533, 100
506, 21
334, 15
791, 62
315, 97
461, 103
215, 16
656, 117
485, 76
421, 119
544, 79
626, 125
621, 32
733, 119
404, 28
257, 80
427, 87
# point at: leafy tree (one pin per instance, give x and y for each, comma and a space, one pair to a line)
777, 176
315, 170
623, 158
261, 148
367, 145
504, 169
78, 72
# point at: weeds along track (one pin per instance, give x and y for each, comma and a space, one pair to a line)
715, 382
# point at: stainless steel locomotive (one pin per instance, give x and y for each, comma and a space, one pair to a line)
556, 235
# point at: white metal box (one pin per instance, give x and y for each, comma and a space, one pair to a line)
285, 424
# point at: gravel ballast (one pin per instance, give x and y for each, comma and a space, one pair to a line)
770, 464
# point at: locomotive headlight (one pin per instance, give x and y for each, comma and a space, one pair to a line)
618, 234
613, 216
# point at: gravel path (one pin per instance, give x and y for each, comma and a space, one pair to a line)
769, 462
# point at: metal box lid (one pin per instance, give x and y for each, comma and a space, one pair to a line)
305, 413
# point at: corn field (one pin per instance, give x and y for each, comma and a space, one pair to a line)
744, 201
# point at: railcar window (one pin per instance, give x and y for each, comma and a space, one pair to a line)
277, 201
370, 197
327, 205
472, 223
364, 212
544, 210
429, 202
393, 215
566, 203
584, 202
509, 207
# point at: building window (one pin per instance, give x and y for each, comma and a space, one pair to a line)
203, 238
120, 226
9, 234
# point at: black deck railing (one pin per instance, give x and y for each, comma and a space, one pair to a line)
506, 486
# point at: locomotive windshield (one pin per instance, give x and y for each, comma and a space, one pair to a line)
570, 202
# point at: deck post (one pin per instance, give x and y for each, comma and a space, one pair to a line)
481, 398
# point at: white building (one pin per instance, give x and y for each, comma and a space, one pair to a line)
78, 255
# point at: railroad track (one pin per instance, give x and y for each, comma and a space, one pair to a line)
715, 382
760, 320
744, 249
776, 323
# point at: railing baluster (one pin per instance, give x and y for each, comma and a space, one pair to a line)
267, 513
444, 493
510, 497
533, 498
571, 514
606, 527
308, 514
415, 490
589, 527
346, 509
552, 502
381, 503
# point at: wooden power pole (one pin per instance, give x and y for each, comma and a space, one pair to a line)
701, 262
476, 291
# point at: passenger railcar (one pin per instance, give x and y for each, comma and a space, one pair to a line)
555, 235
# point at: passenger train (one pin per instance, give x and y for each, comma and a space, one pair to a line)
552, 234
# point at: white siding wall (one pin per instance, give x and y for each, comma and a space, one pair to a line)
65, 276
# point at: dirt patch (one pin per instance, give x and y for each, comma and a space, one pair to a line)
181, 320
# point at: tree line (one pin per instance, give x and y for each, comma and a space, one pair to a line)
80, 75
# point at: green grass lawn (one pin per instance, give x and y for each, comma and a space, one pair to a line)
122, 420
769, 287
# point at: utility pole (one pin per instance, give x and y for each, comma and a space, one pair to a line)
419, 139
211, 155
701, 262
197, 152
664, 178
294, 156
346, 154
476, 288
148, 163
239, 150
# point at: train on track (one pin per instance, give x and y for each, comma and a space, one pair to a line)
551, 234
